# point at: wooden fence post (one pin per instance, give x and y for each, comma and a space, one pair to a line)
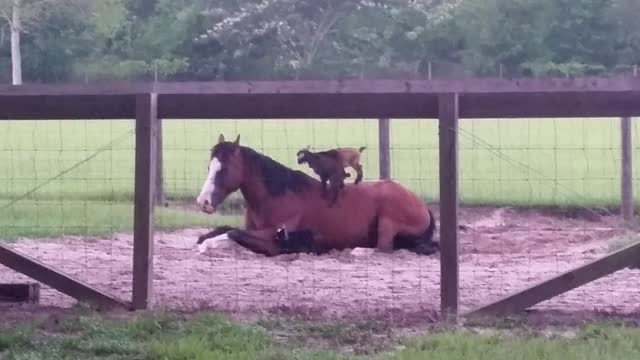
384, 148
159, 190
627, 171
449, 268
145, 171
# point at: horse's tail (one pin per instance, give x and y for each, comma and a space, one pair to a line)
428, 234
361, 149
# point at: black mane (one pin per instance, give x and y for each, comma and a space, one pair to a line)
276, 177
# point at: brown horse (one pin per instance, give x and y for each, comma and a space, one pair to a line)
380, 214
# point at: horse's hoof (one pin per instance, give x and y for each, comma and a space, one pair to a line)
362, 251
202, 248
222, 241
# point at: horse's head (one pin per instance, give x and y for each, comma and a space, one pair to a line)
303, 155
225, 174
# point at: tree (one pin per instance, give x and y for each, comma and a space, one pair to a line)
625, 15
302, 28
26, 15
141, 39
582, 36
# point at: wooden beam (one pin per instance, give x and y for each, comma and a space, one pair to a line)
76, 106
626, 175
51, 277
449, 268
380, 86
297, 106
490, 98
569, 280
102, 88
384, 140
159, 187
145, 172
396, 105
20, 292
434, 87
549, 105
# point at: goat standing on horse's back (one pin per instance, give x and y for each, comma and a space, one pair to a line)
330, 164
350, 157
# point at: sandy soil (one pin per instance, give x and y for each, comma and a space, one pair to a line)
501, 250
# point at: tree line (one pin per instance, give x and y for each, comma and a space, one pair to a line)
94, 40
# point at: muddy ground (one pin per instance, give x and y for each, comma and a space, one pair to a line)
501, 250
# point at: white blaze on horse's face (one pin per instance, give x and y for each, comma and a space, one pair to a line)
204, 199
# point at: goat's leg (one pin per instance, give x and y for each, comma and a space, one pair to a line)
358, 169
336, 186
324, 187
346, 175
336, 192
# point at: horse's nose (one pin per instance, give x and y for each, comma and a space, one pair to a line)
206, 206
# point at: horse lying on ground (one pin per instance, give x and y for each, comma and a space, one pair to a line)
379, 214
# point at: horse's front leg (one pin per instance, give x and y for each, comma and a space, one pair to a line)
259, 241
213, 233
263, 241
213, 239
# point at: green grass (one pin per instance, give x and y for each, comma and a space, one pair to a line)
34, 219
211, 336
537, 162
593, 342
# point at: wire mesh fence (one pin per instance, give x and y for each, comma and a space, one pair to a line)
67, 196
539, 196
555, 186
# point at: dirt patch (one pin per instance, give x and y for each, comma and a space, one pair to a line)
501, 250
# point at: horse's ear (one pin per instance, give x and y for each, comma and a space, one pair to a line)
220, 139
237, 142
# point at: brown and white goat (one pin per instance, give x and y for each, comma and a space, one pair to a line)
330, 165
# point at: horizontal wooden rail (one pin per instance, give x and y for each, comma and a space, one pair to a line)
78, 106
559, 284
64, 283
374, 99
465, 86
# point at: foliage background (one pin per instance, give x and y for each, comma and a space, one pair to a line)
97, 40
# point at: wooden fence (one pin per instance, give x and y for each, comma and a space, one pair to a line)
447, 101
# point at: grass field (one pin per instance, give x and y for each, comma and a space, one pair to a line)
516, 162
210, 336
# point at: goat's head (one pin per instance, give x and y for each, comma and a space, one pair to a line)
303, 155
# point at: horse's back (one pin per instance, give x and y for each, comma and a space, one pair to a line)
348, 223
354, 218
397, 202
